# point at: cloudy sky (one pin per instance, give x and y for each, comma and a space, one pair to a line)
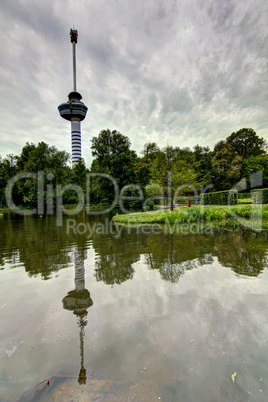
176, 72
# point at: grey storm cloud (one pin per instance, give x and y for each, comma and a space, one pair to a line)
173, 72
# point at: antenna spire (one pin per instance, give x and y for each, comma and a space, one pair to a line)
74, 36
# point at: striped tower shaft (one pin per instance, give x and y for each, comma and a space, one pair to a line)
79, 278
76, 140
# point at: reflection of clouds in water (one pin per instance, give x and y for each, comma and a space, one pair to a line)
147, 322
215, 300
11, 351
179, 332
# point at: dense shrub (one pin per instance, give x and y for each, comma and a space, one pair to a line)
242, 196
229, 197
259, 196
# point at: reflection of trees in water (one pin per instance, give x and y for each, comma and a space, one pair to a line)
44, 248
173, 272
173, 254
114, 258
34, 242
244, 251
38, 243
110, 276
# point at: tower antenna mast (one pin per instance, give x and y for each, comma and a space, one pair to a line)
74, 35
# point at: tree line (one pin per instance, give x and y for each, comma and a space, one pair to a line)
237, 157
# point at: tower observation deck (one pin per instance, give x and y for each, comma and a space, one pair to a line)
74, 110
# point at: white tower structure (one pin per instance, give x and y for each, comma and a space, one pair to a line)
74, 110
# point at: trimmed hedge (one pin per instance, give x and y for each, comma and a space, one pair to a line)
228, 197
259, 196
242, 196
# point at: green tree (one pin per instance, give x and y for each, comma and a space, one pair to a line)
246, 143
256, 164
150, 151
113, 157
79, 174
43, 158
170, 172
8, 169
143, 164
202, 164
229, 157
226, 166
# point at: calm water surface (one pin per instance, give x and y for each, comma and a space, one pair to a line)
112, 313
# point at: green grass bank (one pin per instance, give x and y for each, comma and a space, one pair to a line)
194, 214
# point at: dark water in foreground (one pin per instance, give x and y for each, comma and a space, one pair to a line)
143, 314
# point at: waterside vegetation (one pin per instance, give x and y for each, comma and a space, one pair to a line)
195, 214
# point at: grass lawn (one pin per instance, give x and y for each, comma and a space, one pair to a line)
245, 201
194, 214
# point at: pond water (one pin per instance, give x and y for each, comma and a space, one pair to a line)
117, 313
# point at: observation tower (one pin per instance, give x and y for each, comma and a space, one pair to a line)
74, 110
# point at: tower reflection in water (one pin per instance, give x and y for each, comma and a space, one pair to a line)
78, 301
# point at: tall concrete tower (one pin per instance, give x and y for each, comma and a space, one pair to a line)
74, 110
